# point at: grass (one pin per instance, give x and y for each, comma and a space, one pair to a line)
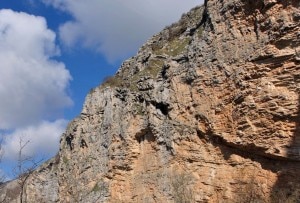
96, 188
153, 68
112, 81
173, 48
65, 160
139, 110
100, 188
199, 32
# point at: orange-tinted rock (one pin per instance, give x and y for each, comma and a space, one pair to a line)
207, 111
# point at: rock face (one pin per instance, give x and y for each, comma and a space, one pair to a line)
10, 192
207, 111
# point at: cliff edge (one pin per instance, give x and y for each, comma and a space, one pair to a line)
207, 111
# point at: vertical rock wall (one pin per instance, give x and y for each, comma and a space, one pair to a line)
207, 111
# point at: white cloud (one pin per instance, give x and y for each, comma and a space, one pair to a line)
43, 140
32, 84
117, 28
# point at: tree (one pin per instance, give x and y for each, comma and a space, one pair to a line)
25, 165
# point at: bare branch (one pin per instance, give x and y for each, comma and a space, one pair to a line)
25, 165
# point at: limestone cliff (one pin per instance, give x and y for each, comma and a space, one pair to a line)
207, 111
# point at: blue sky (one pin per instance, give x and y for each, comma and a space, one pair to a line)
53, 52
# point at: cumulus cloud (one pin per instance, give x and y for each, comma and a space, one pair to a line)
117, 28
43, 140
32, 84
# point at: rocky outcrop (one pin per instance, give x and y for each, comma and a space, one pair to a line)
10, 192
207, 111
43, 182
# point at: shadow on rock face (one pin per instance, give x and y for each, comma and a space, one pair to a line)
287, 187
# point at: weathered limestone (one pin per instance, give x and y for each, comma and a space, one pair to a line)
207, 111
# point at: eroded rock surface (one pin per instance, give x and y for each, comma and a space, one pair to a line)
207, 111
